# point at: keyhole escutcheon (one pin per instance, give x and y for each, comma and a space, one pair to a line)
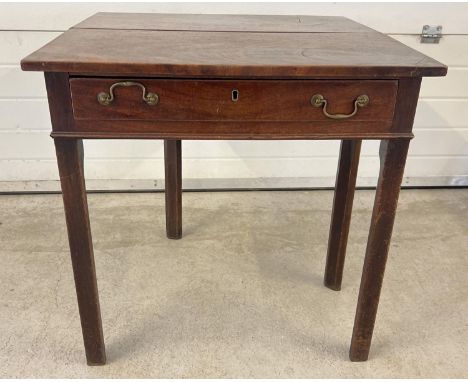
235, 95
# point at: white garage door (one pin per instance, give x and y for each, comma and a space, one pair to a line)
438, 154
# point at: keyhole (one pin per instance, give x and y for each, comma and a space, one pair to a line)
235, 95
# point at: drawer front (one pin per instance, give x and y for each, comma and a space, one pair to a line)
231, 100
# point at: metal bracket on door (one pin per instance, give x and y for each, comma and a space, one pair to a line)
431, 34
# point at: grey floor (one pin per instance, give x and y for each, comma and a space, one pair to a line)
240, 295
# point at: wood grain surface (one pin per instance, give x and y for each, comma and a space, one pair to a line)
392, 164
213, 53
173, 187
133, 129
221, 23
70, 165
268, 100
341, 214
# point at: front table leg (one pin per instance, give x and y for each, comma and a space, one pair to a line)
70, 164
341, 214
392, 163
173, 188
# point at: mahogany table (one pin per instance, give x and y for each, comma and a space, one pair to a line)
174, 77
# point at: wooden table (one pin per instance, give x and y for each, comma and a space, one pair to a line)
174, 77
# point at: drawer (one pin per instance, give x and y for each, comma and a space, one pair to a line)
232, 100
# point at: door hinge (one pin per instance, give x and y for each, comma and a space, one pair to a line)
431, 34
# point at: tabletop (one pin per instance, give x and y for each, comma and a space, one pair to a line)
229, 46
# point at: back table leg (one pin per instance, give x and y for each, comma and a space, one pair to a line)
392, 163
173, 185
341, 215
70, 164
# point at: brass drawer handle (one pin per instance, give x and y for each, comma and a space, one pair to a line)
106, 98
318, 100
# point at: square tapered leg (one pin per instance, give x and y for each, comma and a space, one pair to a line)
173, 188
392, 163
70, 164
341, 215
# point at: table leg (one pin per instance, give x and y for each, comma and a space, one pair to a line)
70, 163
341, 215
392, 163
173, 185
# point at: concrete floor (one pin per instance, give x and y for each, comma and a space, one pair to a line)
240, 295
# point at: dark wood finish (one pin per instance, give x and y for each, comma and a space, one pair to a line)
70, 164
210, 100
221, 23
194, 62
341, 214
173, 188
209, 106
114, 129
60, 106
407, 101
206, 53
392, 163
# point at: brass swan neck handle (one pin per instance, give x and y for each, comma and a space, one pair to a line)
107, 98
319, 100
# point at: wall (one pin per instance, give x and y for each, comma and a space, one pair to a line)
438, 154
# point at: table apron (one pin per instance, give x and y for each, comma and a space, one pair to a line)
203, 130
